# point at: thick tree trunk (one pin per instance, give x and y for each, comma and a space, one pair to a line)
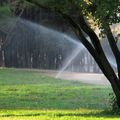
101, 59
108, 71
114, 48
115, 82
97, 52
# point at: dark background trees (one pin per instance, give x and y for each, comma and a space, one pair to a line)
21, 50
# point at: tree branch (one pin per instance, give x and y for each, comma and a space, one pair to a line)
94, 39
39, 5
114, 48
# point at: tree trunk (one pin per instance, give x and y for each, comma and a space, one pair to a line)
107, 70
109, 73
97, 52
114, 48
2, 62
101, 59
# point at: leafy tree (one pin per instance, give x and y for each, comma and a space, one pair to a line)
78, 14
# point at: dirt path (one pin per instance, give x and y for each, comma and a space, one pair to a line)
91, 78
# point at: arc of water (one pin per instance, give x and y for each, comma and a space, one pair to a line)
12, 28
70, 59
75, 52
112, 61
75, 43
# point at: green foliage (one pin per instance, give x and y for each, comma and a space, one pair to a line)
113, 104
104, 12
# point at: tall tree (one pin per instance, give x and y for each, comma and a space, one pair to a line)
78, 13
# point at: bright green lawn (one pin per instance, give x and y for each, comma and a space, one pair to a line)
34, 96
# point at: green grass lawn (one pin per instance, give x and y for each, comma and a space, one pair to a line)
34, 96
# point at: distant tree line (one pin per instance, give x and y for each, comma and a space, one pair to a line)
28, 52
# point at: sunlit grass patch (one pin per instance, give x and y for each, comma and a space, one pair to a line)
81, 114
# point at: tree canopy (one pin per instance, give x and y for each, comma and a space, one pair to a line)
103, 13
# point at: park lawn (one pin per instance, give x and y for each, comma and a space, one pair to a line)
34, 96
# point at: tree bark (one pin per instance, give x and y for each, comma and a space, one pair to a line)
114, 48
